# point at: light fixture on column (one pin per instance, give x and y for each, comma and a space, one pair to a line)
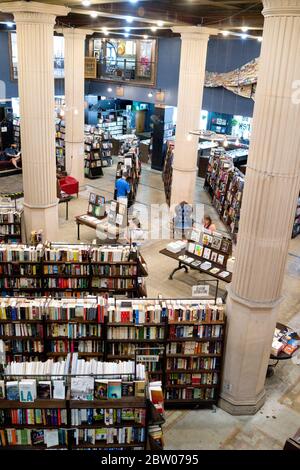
62, 113
76, 112
160, 96
150, 94
225, 143
120, 91
237, 142
93, 14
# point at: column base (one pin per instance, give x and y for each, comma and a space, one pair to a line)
75, 160
239, 409
45, 219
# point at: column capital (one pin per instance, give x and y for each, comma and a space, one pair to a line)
75, 32
34, 12
281, 8
195, 32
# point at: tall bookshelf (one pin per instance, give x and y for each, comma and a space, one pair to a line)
130, 163
10, 224
17, 133
233, 202
60, 148
168, 171
98, 151
296, 226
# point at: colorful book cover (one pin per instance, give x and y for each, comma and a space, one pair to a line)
100, 392
114, 389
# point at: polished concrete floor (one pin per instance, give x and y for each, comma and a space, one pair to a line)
279, 418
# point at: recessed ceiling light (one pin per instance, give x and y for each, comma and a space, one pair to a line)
160, 23
127, 29
109, 90
129, 19
94, 14
154, 29
225, 33
9, 24
145, 36
133, 1
244, 36
126, 35
259, 39
86, 3
244, 29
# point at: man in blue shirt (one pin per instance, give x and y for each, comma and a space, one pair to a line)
122, 187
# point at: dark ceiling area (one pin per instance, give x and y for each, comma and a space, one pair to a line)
111, 15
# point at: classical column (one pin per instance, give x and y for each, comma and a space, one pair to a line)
74, 99
34, 25
190, 91
269, 201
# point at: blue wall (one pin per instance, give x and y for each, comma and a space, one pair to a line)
223, 55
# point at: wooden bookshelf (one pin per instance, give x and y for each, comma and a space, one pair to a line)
60, 147
10, 224
167, 174
130, 163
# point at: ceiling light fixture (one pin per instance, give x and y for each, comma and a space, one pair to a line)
160, 24
133, 1
244, 36
259, 39
225, 33
244, 29
109, 90
9, 24
86, 3
93, 14
154, 29
129, 19
127, 29
126, 35
145, 36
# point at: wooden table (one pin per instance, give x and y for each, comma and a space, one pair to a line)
185, 266
65, 200
80, 221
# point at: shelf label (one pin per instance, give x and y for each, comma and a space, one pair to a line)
147, 358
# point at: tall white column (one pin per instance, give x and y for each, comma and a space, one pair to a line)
269, 201
74, 99
34, 25
190, 92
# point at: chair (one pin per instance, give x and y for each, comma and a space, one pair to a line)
69, 185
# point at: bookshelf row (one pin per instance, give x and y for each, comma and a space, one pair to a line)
85, 269
98, 151
129, 163
70, 405
168, 171
10, 224
180, 341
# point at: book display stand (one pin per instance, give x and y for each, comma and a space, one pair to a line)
95, 213
98, 151
130, 163
207, 252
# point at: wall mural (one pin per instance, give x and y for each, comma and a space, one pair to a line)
241, 81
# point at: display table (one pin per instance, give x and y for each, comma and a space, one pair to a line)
185, 266
88, 221
282, 356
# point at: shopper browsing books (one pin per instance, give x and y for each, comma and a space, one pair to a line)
207, 223
122, 187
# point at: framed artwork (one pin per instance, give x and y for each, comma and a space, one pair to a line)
221, 259
216, 243
145, 59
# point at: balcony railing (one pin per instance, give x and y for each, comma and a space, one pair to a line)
59, 69
127, 70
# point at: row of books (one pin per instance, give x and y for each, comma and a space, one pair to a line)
10, 216
208, 378
108, 416
195, 331
136, 311
65, 346
20, 283
114, 270
73, 330
193, 363
192, 347
29, 437
112, 283
124, 435
142, 333
21, 253
67, 269
32, 416
67, 283
10, 230
20, 269
21, 329
28, 346
191, 393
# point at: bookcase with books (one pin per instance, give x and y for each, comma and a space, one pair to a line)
20, 269
17, 133
168, 171
233, 202
213, 169
60, 144
130, 164
193, 352
73, 405
10, 224
222, 182
98, 154
296, 226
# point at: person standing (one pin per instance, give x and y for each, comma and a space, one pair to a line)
207, 223
122, 189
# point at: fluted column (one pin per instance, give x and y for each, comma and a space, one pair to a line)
74, 98
269, 201
34, 25
190, 92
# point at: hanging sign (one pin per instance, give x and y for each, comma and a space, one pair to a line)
201, 290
